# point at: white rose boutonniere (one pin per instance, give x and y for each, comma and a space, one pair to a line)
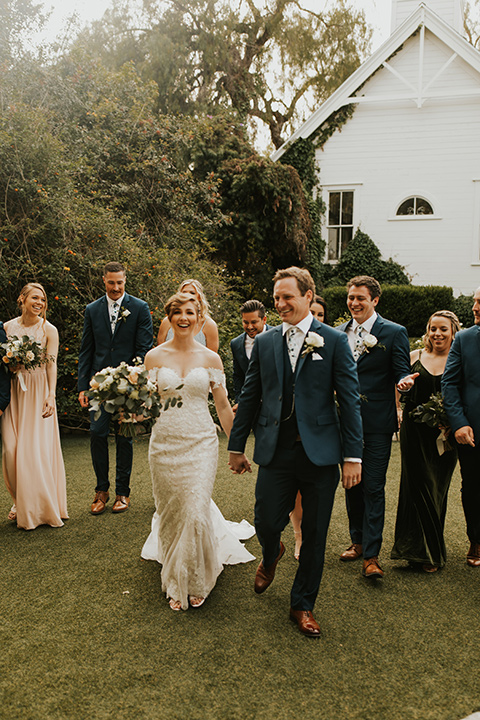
123, 314
370, 342
313, 342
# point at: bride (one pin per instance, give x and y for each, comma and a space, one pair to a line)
189, 538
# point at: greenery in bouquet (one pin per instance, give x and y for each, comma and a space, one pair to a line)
433, 414
22, 353
128, 394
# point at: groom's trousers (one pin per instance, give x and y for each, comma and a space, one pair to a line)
99, 432
276, 490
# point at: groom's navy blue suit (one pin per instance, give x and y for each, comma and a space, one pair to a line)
101, 348
379, 370
300, 439
461, 392
4, 376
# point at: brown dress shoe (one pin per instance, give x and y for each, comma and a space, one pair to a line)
264, 575
306, 622
473, 556
354, 552
371, 568
99, 502
122, 503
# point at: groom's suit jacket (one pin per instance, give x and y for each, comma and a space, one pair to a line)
240, 362
133, 337
461, 382
379, 370
326, 437
4, 376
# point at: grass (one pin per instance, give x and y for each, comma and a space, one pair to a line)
87, 633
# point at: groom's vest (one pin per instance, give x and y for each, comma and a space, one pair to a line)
288, 427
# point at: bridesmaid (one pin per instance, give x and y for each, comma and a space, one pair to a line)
207, 330
426, 475
32, 458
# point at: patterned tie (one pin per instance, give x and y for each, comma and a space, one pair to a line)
114, 316
358, 347
292, 346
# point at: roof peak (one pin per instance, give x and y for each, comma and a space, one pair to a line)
451, 11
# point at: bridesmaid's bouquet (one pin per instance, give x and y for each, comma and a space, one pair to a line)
433, 414
128, 394
22, 353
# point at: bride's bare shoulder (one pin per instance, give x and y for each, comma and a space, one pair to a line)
155, 356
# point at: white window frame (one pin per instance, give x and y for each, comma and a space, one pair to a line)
354, 187
415, 218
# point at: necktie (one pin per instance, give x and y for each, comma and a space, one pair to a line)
292, 346
358, 346
114, 316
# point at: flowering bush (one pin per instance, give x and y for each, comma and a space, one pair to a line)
127, 392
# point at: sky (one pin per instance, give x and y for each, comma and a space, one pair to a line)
378, 14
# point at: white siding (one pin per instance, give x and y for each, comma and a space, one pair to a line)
396, 150
449, 10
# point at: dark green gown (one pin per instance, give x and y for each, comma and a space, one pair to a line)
424, 483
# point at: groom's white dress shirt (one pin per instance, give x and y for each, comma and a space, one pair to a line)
367, 327
113, 310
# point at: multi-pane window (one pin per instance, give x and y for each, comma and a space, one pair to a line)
340, 222
415, 206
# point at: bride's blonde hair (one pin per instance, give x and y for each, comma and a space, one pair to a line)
25, 292
179, 299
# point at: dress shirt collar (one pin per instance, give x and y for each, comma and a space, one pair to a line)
303, 325
367, 325
110, 301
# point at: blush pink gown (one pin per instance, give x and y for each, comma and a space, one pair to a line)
32, 459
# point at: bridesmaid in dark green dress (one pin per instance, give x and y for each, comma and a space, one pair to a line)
426, 474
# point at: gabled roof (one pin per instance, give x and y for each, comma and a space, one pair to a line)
422, 16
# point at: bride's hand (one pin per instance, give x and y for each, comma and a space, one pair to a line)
239, 463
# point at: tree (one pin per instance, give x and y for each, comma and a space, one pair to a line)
261, 60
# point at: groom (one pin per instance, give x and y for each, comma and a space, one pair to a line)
294, 371
117, 327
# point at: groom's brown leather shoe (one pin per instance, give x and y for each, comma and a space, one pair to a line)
99, 502
371, 568
306, 622
354, 552
473, 557
122, 503
264, 575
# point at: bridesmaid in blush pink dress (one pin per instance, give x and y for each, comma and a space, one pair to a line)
32, 459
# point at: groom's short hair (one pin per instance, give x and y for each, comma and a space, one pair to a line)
301, 275
113, 266
370, 283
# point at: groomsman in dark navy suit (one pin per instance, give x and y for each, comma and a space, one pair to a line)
117, 327
461, 392
294, 372
254, 321
4, 377
382, 353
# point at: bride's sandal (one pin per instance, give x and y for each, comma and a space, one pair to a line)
195, 601
298, 544
175, 604
12, 515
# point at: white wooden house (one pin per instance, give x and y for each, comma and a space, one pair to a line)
405, 166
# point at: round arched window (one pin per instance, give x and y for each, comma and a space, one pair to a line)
415, 206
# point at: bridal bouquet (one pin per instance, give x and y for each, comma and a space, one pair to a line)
127, 392
433, 414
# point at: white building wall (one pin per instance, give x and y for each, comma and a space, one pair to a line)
390, 151
452, 11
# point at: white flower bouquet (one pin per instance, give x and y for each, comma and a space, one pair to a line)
127, 393
22, 353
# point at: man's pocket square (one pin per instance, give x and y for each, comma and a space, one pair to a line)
316, 356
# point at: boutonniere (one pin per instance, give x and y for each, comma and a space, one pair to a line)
123, 314
313, 341
370, 342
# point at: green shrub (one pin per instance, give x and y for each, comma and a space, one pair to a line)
463, 308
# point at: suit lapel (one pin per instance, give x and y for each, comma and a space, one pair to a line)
105, 313
376, 329
121, 320
301, 358
277, 337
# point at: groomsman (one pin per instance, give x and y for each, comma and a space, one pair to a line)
4, 377
294, 372
254, 321
382, 353
461, 392
117, 327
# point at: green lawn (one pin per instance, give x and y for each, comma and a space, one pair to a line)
86, 632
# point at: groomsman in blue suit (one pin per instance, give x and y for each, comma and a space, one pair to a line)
117, 327
294, 372
382, 353
254, 321
461, 392
4, 377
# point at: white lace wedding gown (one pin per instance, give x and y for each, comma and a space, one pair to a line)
190, 537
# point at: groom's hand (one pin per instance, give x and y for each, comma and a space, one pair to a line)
82, 399
239, 463
351, 474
